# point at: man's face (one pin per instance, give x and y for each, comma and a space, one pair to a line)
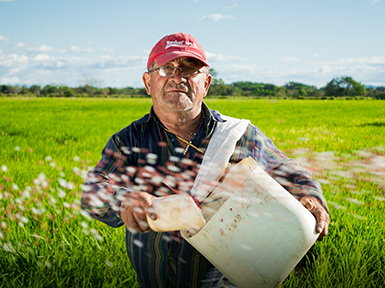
177, 93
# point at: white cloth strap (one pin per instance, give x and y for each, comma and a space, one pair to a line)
217, 155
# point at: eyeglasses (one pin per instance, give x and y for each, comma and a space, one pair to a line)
170, 71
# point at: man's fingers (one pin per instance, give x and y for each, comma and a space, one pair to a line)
134, 210
140, 219
322, 217
322, 222
151, 212
307, 203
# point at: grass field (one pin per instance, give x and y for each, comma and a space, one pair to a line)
47, 146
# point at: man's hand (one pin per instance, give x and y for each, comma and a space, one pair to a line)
134, 209
314, 205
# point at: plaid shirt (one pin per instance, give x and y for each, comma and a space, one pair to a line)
141, 157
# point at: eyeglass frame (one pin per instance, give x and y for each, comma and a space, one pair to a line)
178, 68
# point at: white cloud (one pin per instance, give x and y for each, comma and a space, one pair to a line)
20, 45
41, 57
213, 57
108, 50
215, 17
290, 59
318, 73
38, 49
78, 49
231, 6
44, 69
376, 60
14, 80
33, 49
11, 59
3, 38
374, 2
316, 55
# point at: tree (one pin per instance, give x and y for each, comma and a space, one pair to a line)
217, 87
69, 92
35, 89
344, 86
213, 73
49, 89
13, 89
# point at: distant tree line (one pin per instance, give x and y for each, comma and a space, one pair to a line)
64, 91
341, 87
337, 88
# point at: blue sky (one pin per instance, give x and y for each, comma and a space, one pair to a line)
108, 42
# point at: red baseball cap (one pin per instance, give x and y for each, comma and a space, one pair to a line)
174, 46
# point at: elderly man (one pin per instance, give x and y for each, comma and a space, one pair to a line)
161, 153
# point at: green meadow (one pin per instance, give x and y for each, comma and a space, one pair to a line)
48, 145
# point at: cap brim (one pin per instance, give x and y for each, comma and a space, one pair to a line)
172, 55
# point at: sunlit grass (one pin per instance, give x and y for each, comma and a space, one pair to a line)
47, 145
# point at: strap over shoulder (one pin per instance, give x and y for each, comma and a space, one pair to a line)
217, 155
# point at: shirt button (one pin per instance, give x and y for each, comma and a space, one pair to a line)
169, 258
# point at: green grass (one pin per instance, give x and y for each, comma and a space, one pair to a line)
48, 144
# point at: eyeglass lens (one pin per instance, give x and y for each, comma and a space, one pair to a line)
169, 71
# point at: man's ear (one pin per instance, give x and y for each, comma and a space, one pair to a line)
207, 83
147, 82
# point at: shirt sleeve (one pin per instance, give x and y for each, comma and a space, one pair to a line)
102, 194
286, 171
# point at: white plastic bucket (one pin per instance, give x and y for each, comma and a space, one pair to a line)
176, 212
259, 233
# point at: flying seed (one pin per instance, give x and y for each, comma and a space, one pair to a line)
357, 216
355, 201
98, 237
138, 243
8, 247
76, 170
109, 264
